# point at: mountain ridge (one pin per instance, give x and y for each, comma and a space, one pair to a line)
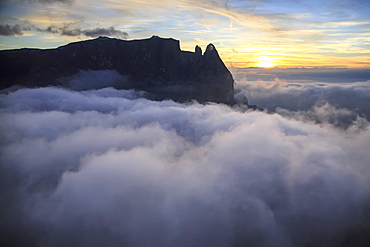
156, 65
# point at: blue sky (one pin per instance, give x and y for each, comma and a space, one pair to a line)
264, 33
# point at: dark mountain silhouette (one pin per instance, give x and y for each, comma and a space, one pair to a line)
156, 65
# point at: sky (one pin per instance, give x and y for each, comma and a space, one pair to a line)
250, 33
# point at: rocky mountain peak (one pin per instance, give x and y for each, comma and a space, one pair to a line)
156, 65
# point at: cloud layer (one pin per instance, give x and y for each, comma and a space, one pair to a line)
105, 167
335, 95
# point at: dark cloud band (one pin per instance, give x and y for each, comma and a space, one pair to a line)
69, 31
9, 30
66, 30
50, 1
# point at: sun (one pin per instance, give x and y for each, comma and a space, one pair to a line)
265, 64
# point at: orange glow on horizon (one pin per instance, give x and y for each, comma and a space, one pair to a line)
241, 61
290, 57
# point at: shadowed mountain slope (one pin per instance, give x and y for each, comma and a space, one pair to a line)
156, 65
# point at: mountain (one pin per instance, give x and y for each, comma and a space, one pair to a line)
155, 65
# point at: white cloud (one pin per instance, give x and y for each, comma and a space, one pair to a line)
325, 95
104, 167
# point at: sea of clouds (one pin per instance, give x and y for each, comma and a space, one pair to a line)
107, 167
338, 96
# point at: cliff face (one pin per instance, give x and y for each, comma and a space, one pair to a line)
156, 65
